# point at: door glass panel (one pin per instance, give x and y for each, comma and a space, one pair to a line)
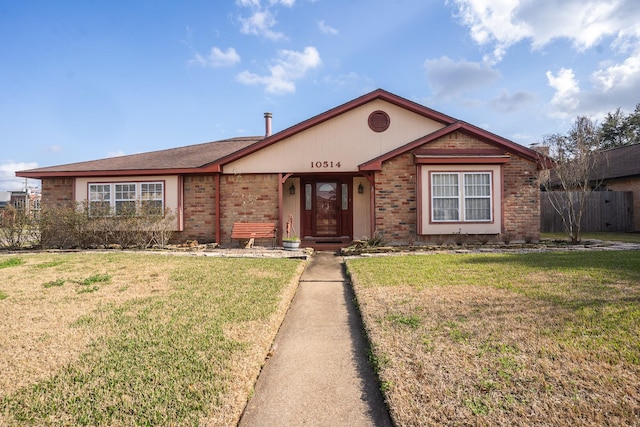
307, 197
345, 197
326, 209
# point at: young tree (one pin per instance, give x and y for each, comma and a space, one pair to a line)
576, 158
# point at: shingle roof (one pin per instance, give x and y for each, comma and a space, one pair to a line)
620, 162
188, 157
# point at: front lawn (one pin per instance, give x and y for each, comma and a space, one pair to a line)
505, 339
135, 339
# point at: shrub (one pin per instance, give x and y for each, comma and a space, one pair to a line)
73, 226
17, 228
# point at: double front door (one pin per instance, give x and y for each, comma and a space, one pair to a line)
327, 208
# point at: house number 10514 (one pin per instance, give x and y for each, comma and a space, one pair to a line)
325, 164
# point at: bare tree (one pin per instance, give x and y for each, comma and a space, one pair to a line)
576, 172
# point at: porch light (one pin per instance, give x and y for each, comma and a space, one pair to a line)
360, 189
292, 189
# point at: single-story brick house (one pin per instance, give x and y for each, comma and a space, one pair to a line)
376, 164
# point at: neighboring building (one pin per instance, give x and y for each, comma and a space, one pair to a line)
21, 200
5, 199
377, 164
620, 171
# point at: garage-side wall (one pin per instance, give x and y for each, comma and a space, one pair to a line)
247, 198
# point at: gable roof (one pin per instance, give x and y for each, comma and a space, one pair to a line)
186, 159
481, 134
620, 162
212, 156
378, 94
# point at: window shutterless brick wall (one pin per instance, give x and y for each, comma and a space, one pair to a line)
396, 196
57, 192
199, 200
247, 198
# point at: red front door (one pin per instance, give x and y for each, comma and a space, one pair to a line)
327, 208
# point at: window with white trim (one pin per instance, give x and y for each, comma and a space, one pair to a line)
126, 198
461, 197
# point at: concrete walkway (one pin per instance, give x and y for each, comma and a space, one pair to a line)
319, 373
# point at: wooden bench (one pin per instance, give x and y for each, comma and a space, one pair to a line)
254, 230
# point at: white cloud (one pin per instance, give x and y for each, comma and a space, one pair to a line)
503, 23
8, 179
566, 100
217, 58
623, 76
613, 86
117, 153
326, 29
259, 24
288, 67
448, 78
609, 26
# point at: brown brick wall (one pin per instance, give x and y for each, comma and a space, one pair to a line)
199, 209
247, 198
396, 202
521, 200
57, 191
395, 195
629, 184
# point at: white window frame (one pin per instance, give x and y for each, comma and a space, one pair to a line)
116, 195
459, 198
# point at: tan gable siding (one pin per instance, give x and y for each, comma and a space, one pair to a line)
345, 139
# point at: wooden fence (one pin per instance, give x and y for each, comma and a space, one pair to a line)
605, 211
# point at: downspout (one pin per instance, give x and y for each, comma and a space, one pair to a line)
217, 183
281, 221
372, 202
280, 208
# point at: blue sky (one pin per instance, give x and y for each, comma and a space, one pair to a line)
82, 80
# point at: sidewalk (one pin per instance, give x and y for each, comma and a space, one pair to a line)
319, 374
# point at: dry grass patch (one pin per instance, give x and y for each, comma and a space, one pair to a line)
129, 339
530, 339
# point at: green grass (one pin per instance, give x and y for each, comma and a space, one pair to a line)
504, 339
54, 283
11, 262
164, 360
3, 296
592, 285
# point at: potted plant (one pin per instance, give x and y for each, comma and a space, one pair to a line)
291, 242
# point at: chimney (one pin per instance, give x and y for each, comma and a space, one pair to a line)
267, 124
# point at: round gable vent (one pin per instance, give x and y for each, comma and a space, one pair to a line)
379, 121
